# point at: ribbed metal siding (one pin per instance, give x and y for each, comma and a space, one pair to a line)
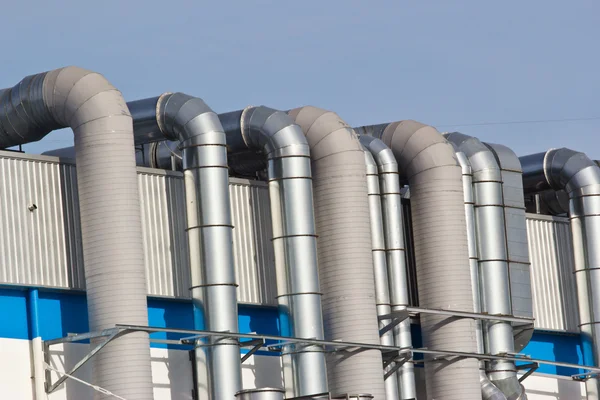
39, 246
252, 249
43, 247
553, 283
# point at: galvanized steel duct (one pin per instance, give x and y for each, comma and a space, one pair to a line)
345, 262
516, 240
579, 176
395, 248
488, 390
109, 204
380, 268
490, 228
294, 236
429, 164
209, 228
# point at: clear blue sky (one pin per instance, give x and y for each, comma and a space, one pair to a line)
445, 63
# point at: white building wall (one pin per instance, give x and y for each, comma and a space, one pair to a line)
171, 372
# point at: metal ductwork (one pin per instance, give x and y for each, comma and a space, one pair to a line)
517, 243
490, 229
428, 162
109, 205
380, 267
395, 249
345, 262
579, 176
283, 143
488, 390
203, 148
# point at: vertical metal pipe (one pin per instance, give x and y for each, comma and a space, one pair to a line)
493, 257
294, 237
395, 249
382, 292
209, 228
428, 162
579, 176
345, 259
488, 390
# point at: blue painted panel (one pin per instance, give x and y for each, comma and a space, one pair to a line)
556, 347
13, 314
61, 313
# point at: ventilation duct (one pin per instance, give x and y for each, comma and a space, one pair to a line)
396, 274
574, 172
488, 390
109, 205
201, 140
294, 237
380, 267
345, 262
516, 241
491, 239
428, 162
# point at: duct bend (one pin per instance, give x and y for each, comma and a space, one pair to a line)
429, 164
294, 237
345, 262
490, 229
579, 176
209, 227
109, 202
397, 274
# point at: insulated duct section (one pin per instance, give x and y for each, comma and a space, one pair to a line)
203, 148
395, 249
428, 162
492, 248
574, 172
109, 205
380, 268
345, 260
276, 135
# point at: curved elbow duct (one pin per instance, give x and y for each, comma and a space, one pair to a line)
397, 274
429, 164
209, 228
276, 135
109, 202
345, 262
201, 140
490, 228
579, 176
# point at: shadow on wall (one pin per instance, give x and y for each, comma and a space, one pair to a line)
267, 366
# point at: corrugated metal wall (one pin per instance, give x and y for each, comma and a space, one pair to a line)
553, 282
40, 239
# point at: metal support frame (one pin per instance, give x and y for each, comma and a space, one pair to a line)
391, 354
397, 317
530, 367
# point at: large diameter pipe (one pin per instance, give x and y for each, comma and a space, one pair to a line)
428, 162
345, 261
382, 292
214, 289
490, 230
109, 204
283, 143
395, 250
579, 176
